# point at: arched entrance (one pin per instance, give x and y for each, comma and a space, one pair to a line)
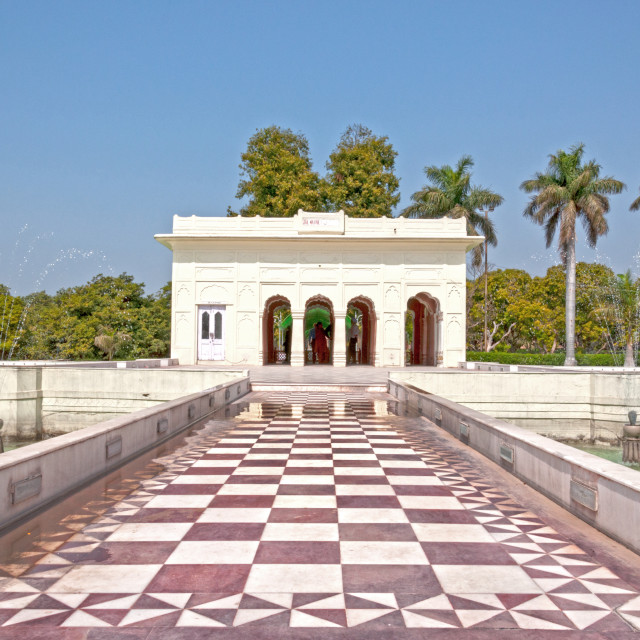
318, 309
276, 331
361, 344
421, 330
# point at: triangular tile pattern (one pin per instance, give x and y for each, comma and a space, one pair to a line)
386, 485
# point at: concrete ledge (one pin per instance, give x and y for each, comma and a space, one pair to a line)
602, 493
142, 363
496, 366
34, 476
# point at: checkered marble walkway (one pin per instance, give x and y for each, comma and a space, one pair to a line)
321, 511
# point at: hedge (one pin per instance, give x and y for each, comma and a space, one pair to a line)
547, 359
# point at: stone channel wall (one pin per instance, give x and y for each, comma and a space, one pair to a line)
38, 401
602, 493
560, 404
33, 477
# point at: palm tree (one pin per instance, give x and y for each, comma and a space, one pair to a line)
635, 205
567, 191
450, 193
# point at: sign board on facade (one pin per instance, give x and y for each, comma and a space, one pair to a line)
320, 222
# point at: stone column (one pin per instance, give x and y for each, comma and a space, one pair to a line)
297, 339
439, 339
340, 339
379, 342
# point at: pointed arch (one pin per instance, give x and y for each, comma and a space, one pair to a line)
365, 350
325, 308
276, 330
421, 331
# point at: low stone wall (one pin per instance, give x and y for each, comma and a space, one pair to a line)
142, 363
36, 400
561, 404
602, 493
34, 476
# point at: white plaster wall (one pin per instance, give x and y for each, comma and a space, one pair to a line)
243, 280
56, 400
564, 404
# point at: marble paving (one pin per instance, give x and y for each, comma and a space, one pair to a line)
308, 515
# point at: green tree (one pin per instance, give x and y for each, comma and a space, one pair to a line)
109, 316
507, 289
277, 176
527, 313
593, 281
450, 193
567, 191
620, 309
635, 205
153, 334
361, 178
12, 316
109, 341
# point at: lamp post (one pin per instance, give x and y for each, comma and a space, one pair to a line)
487, 211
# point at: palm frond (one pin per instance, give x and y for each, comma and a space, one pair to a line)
551, 225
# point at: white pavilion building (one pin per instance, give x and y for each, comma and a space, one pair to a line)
237, 282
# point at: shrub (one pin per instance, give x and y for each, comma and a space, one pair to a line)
546, 359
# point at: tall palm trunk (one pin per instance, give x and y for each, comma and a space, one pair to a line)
629, 358
570, 303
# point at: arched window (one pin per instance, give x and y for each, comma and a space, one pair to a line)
205, 325
217, 322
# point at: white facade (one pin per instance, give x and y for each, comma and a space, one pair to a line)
230, 273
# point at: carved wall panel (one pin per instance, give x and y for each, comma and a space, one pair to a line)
319, 274
391, 331
365, 274
454, 299
454, 332
247, 299
184, 329
246, 330
392, 298
184, 296
426, 275
214, 293
215, 273
248, 271
279, 274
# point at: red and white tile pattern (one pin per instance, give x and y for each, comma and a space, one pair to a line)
317, 510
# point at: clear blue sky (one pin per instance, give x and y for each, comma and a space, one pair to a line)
117, 115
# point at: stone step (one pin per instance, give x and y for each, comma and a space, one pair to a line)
327, 388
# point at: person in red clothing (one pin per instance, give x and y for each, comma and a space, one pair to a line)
321, 344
